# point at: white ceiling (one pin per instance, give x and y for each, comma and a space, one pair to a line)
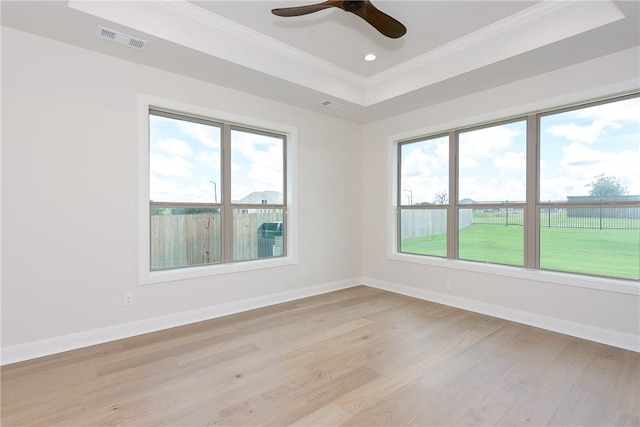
452, 48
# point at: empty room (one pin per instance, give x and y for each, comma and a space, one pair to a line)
340, 213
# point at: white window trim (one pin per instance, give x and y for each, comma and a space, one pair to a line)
600, 283
145, 275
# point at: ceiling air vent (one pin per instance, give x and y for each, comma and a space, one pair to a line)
331, 104
123, 39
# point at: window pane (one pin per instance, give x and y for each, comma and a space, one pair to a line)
492, 164
184, 161
257, 168
423, 231
258, 233
599, 241
424, 172
591, 153
183, 237
492, 235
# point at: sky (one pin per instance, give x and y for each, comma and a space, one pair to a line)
184, 162
575, 147
579, 145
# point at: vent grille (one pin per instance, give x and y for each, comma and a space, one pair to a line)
331, 104
123, 39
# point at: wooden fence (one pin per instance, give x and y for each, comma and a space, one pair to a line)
196, 239
429, 222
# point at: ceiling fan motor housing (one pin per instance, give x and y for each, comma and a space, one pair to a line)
351, 6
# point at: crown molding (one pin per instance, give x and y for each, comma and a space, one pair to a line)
542, 24
539, 25
168, 20
239, 31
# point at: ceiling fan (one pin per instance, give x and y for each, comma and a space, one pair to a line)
382, 22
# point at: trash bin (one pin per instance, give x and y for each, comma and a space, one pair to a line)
270, 239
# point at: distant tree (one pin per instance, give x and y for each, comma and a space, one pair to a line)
183, 211
606, 186
160, 211
441, 198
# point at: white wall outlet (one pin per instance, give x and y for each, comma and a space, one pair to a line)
447, 285
301, 271
128, 298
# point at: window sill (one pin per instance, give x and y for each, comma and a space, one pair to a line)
151, 277
622, 286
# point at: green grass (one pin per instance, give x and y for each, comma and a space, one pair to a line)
614, 253
435, 245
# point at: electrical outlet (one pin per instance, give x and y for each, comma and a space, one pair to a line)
128, 298
301, 271
448, 286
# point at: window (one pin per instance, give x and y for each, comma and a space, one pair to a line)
555, 191
217, 192
491, 193
590, 189
423, 196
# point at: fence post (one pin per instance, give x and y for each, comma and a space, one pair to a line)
506, 214
600, 218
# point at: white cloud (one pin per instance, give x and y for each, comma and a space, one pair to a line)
580, 164
486, 143
603, 117
210, 160
419, 163
165, 166
425, 170
207, 135
623, 111
173, 147
493, 189
587, 133
511, 160
168, 191
257, 162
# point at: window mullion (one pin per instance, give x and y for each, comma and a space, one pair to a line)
531, 211
452, 211
227, 211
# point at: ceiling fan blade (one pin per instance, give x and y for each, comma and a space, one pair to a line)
382, 22
305, 10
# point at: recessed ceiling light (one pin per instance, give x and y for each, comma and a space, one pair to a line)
370, 57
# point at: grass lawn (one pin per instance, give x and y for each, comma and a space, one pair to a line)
614, 253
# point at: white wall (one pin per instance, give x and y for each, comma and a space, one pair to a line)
70, 224
599, 309
70, 220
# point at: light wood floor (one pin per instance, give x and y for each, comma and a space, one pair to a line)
355, 357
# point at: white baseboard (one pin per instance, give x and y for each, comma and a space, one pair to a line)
34, 349
588, 332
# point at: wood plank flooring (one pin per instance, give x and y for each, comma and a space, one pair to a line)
358, 357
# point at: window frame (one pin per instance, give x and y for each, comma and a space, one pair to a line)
401, 206
455, 141
540, 205
531, 207
226, 121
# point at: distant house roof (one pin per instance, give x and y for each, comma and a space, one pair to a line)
467, 202
262, 198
